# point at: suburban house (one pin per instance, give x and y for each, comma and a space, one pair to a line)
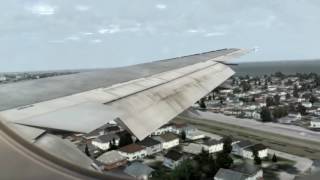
103, 142
152, 146
163, 129
250, 171
194, 135
112, 159
242, 173
168, 140
212, 145
261, 149
133, 151
315, 123
246, 149
139, 171
172, 159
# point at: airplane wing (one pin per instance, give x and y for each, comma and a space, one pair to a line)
141, 98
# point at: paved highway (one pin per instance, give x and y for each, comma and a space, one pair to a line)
294, 140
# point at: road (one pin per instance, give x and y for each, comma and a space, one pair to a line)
293, 140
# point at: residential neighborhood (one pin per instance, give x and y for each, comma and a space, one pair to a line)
177, 146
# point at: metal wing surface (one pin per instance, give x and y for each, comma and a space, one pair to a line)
140, 97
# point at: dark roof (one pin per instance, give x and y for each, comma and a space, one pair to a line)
181, 125
168, 137
243, 144
148, 142
107, 138
112, 128
256, 147
131, 148
174, 155
211, 142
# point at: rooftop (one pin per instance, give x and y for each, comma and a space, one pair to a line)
148, 142
107, 138
229, 174
131, 148
174, 155
256, 147
243, 144
111, 157
211, 142
168, 137
137, 169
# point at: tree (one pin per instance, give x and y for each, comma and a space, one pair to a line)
236, 90
276, 99
313, 99
269, 101
125, 139
256, 158
245, 86
183, 135
274, 158
186, 170
227, 145
202, 104
301, 109
265, 114
288, 96
86, 150
224, 160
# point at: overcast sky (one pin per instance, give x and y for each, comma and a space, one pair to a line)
71, 34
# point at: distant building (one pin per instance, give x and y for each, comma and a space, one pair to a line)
139, 171
212, 145
133, 152
163, 129
179, 127
172, 159
168, 140
112, 159
152, 146
3, 78
103, 142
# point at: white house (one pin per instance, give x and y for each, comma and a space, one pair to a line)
133, 152
259, 148
212, 145
315, 123
152, 146
172, 159
168, 140
307, 104
193, 135
103, 142
246, 149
